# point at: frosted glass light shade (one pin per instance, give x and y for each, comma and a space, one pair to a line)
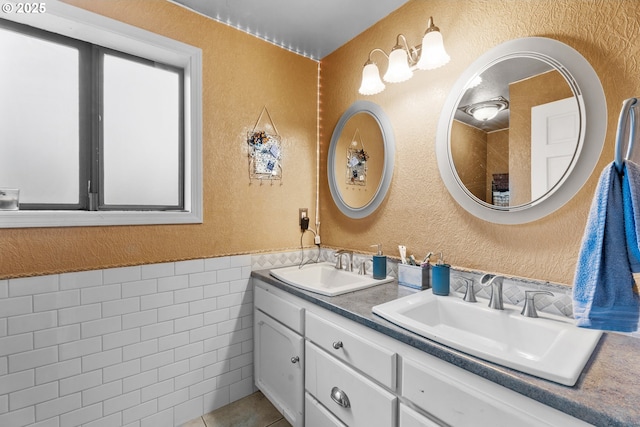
398, 70
433, 53
371, 83
486, 112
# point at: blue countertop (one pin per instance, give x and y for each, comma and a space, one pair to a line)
606, 394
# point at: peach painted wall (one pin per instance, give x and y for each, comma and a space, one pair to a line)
418, 211
497, 156
469, 154
241, 74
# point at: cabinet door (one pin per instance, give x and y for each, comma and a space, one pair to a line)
279, 366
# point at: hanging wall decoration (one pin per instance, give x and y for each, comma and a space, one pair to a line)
356, 161
265, 154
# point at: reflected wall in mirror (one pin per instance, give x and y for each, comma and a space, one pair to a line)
541, 134
360, 160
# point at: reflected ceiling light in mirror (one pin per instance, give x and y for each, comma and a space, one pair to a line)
403, 59
486, 110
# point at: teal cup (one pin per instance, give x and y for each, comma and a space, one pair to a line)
440, 279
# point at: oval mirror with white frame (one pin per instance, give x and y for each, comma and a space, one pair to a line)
360, 160
521, 130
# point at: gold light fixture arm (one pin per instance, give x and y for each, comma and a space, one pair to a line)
370, 61
431, 26
412, 52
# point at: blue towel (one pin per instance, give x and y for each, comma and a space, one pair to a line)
604, 294
631, 200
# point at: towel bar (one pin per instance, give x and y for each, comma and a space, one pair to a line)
627, 118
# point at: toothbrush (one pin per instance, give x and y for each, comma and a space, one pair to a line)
427, 257
403, 253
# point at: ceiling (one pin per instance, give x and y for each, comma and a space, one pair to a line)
315, 28
312, 28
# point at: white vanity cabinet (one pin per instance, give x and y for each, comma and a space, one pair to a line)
385, 382
279, 353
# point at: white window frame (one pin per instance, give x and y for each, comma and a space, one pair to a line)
80, 24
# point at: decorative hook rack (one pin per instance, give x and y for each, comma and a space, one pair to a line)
265, 152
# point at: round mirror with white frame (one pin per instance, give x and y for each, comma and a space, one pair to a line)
521, 130
360, 159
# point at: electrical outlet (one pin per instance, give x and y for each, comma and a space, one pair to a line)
302, 213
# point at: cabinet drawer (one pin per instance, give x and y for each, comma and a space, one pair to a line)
462, 399
364, 403
316, 415
375, 361
411, 418
283, 311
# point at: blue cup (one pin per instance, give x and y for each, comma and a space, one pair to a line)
440, 279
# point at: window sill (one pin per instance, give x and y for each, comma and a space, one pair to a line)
29, 219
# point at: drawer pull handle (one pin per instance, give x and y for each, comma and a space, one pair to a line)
295, 359
340, 397
337, 345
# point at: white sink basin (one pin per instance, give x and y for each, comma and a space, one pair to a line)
325, 279
549, 347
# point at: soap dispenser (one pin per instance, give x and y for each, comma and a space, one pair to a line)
379, 264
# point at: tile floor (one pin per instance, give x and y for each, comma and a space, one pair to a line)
254, 410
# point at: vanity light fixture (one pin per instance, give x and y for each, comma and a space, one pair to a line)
486, 110
404, 59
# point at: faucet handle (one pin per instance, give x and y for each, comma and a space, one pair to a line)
362, 270
529, 308
338, 256
469, 294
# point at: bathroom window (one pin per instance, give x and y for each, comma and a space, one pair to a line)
98, 133
141, 135
40, 118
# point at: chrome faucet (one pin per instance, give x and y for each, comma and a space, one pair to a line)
529, 308
495, 282
339, 264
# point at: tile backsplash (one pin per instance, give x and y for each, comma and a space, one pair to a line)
513, 287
